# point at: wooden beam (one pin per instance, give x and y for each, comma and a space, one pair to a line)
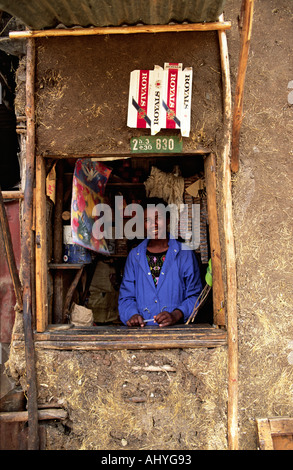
22, 416
12, 194
118, 156
170, 28
117, 338
41, 247
218, 286
27, 222
231, 304
247, 8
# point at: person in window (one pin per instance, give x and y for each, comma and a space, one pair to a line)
161, 279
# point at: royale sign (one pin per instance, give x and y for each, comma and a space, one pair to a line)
160, 98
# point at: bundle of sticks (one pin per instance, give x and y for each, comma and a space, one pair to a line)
199, 301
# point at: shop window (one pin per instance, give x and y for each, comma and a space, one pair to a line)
82, 284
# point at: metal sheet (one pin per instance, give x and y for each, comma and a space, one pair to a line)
7, 296
42, 14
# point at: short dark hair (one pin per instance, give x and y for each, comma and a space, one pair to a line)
153, 200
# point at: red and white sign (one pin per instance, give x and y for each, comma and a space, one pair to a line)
160, 98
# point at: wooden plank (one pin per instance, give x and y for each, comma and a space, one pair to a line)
281, 426
65, 266
118, 156
218, 286
229, 248
27, 249
211, 26
22, 416
265, 440
41, 248
114, 338
12, 194
275, 433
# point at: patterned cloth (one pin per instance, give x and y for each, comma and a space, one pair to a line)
156, 261
88, 188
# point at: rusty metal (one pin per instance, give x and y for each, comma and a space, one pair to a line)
38, 14
10, 254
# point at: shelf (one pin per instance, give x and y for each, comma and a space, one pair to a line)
122, 337
66, 265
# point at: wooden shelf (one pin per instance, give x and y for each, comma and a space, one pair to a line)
66, 265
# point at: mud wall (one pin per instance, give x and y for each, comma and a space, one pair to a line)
262, 201
82, 89
133, 400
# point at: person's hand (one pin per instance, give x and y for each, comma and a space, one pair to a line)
166, 318
136, 320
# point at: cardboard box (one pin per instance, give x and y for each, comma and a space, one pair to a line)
160, 98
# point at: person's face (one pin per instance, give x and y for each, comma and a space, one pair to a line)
155, 223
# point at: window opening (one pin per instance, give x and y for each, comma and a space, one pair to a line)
83, 285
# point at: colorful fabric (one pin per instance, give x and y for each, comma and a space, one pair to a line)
88, 188
156, 261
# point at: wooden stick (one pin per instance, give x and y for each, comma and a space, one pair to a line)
231, 305
218, 286
10, 253
58, 243
41, 247
12, 194
170, 28
247, 5
27, 221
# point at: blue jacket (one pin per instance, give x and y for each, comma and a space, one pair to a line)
178, 287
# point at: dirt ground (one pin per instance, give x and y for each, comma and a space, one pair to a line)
113, 399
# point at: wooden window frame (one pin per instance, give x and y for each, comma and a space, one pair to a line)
121, 337
41, 267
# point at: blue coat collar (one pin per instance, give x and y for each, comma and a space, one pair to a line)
140, 256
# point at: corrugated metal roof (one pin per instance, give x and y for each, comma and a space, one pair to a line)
43, 14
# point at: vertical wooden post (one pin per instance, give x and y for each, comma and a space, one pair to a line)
218, 287
27, 222
41, 247
58, 244
247, 8
231, 304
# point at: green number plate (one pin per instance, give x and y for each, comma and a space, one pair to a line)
154, 144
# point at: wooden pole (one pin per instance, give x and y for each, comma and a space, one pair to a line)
231, 304
27, 222
58, 243
41, 247
247, 8
218, 287
173, 28
12, 194
10, 254
22, 416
